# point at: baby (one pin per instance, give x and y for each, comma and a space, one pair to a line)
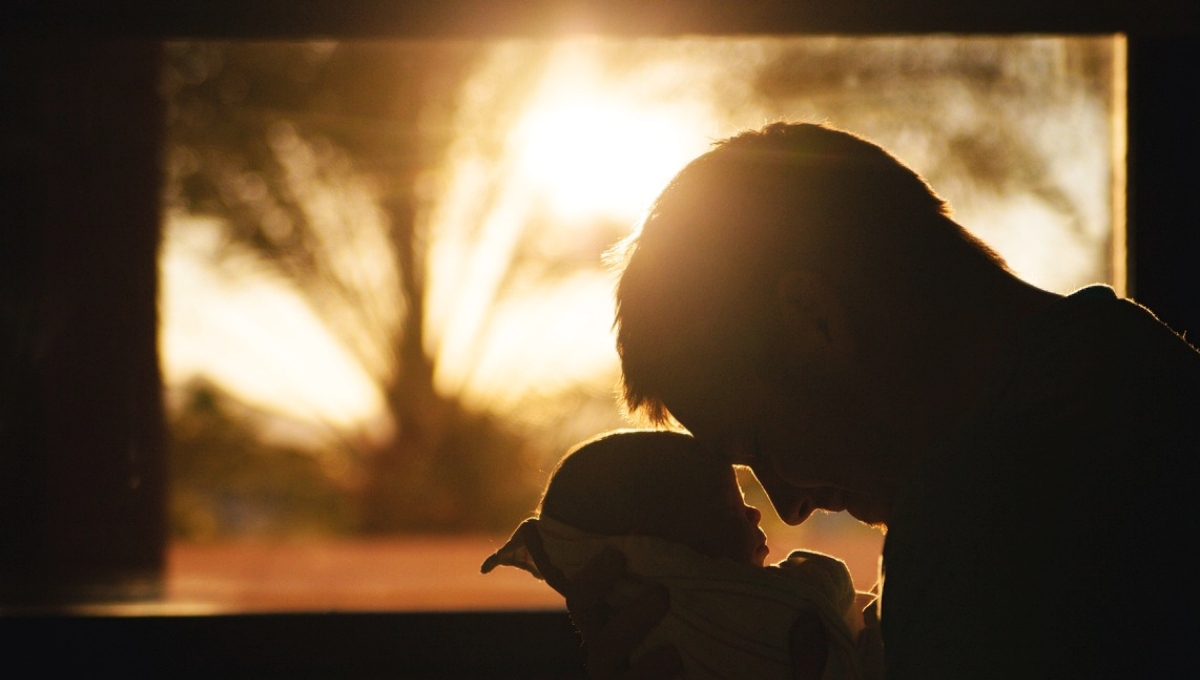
678, 515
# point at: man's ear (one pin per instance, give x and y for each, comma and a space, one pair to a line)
813, 313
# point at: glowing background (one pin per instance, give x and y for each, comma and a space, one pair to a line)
557, 149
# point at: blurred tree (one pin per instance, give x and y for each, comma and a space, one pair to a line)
265, 136
1016, 132
325, 158
228, 479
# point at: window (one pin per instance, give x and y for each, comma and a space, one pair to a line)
384, 314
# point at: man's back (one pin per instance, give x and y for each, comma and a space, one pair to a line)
1046, 537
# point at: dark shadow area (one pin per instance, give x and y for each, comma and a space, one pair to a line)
527, 645
1164, 105
82, 440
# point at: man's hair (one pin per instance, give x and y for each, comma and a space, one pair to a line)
697, 273
630, 482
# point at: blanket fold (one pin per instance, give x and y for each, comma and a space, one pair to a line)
727, 619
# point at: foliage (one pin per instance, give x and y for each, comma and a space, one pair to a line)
227, 480
312, 154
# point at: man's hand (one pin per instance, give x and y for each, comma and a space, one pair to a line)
613, 633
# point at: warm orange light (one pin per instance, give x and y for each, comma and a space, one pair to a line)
270, 363
586, 146
590, 154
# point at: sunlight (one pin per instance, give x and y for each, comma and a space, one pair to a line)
593, 155
549, 340
588, 146
559, 148
286, 361
511, 174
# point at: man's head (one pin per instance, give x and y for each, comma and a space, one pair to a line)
770, 303
655, 483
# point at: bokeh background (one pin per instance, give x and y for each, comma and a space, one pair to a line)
385, 313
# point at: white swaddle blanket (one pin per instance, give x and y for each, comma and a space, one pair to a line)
726, 619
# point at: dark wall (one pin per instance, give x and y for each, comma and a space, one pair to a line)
1164, 91
81, 424
480, 646
493, 18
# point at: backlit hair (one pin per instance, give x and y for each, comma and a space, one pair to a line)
695, 275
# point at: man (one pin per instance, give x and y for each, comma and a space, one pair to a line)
805, 305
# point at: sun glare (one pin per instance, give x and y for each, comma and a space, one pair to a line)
587, 146
286, 361
558, 147
589, 155
292, 283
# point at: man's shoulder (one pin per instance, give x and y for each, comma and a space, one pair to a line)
1130, 329
1057, 506
1094, 359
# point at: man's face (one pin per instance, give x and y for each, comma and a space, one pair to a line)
816, 448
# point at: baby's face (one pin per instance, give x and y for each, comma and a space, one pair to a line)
724, 526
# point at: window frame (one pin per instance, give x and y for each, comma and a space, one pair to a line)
1162, 244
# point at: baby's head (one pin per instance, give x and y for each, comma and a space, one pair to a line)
655, 483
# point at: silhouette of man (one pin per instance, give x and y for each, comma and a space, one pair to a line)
804, 304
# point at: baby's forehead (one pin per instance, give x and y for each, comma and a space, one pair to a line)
703, 481
669, 462
684, 462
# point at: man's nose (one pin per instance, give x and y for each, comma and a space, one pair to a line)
791, 503
753, 515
